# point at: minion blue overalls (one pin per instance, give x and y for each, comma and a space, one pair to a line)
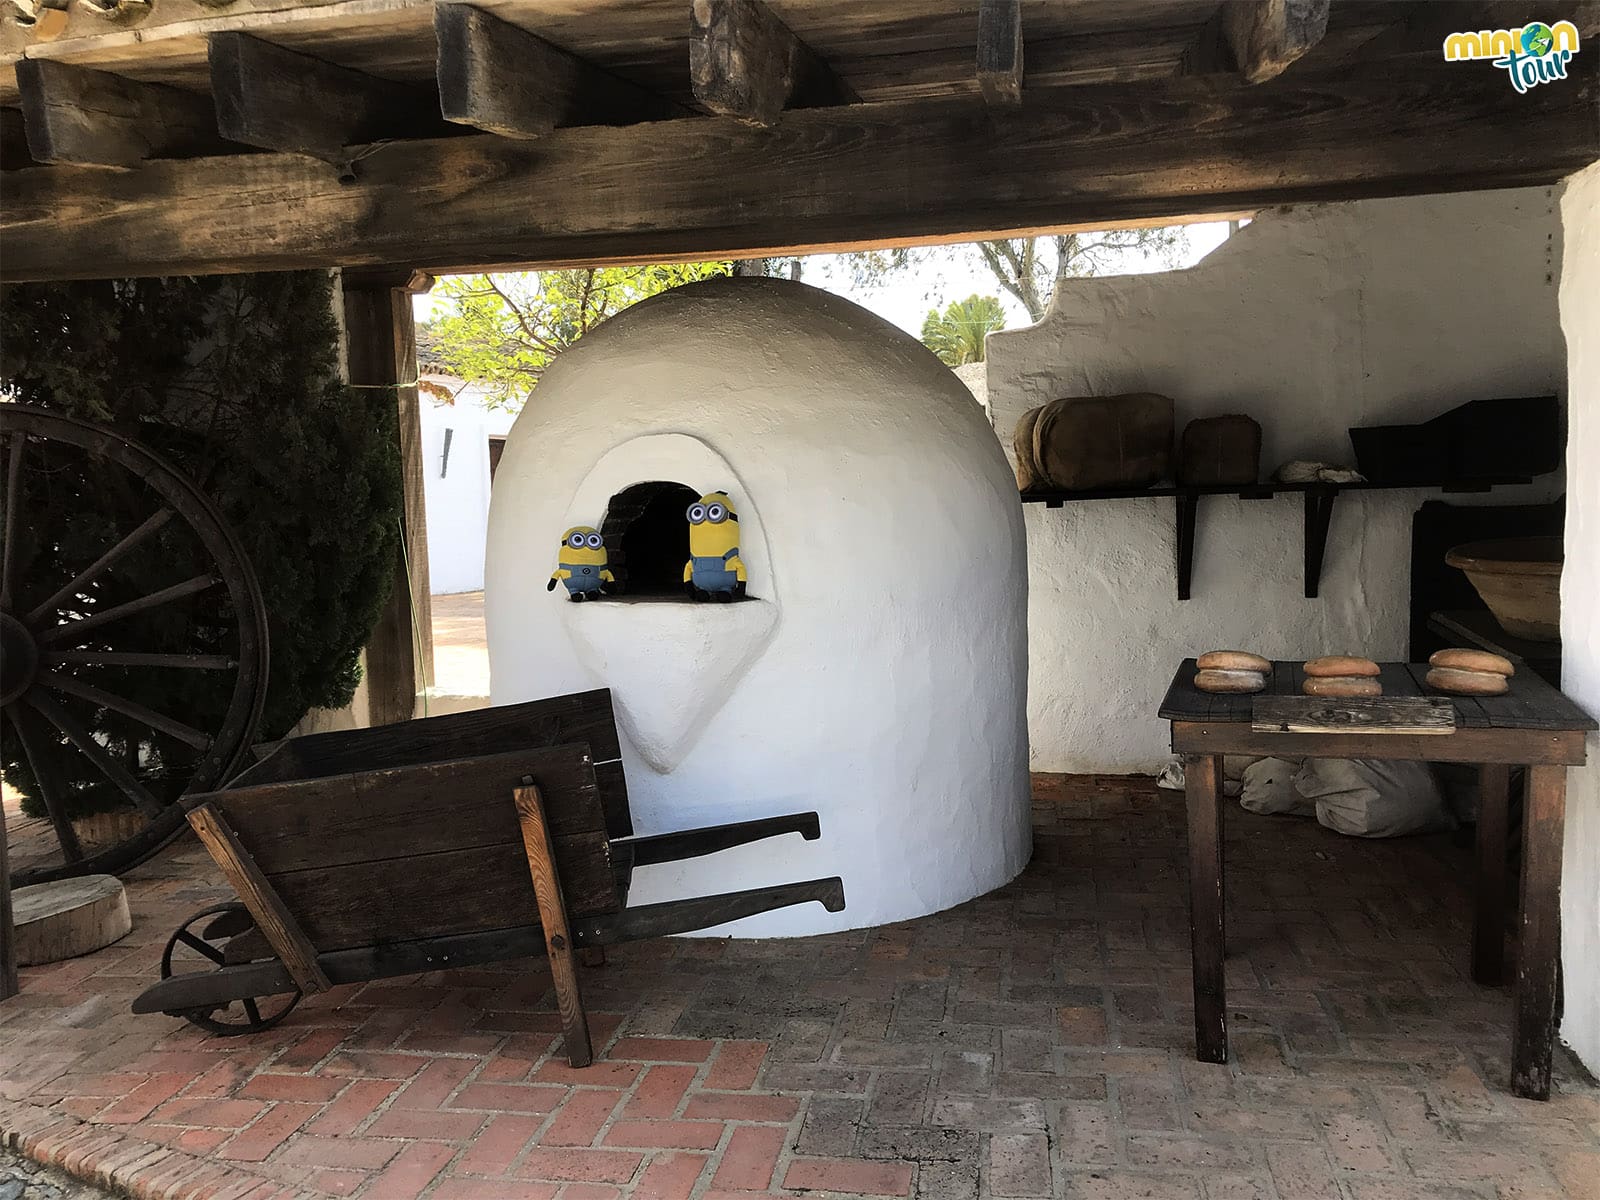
711, 574
585, 577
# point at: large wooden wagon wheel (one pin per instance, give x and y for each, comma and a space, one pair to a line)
133, 638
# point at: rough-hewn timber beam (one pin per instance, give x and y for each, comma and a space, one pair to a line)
280, 99
77, 115
1000, 51
1258, 38
744, 62
497, 77
14, 153
857, 175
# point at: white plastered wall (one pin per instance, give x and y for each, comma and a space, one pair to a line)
877, 676
1580, 608
1311, 320
457, 488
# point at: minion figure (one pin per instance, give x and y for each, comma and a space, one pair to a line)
714, 570
582, 564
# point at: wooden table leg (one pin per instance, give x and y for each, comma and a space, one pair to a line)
1539, 936
1489, 919
1203, 793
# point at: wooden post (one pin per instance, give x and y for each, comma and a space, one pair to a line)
1489, 920
381, 339
1203, 792
1539, 937
553, 917
8, 933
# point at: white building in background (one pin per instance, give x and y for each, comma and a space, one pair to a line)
461, 441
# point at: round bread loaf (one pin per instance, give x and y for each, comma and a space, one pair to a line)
1233, 660
1468, 683
1341, 685
1472, 660
1333, 666
1218, 680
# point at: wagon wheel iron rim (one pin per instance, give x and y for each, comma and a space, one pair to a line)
247, 1014
50, 659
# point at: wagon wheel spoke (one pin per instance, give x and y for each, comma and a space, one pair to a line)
93, 570
123, 658
96, 754
9, 531
73, 686
49, 786
201, 946
251, 1009
74, 629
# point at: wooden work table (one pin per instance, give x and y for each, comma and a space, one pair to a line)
1533, 725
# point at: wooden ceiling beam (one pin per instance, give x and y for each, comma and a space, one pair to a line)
1258, 39
858, 175
1000, 51
502, 79
91, 118
745, 63
275, 98
14, 152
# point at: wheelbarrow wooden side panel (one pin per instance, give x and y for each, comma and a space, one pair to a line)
586, 717
430, 850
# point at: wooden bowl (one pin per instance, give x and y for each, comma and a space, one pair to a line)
1519, 579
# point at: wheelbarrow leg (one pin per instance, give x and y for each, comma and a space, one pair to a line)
553, 917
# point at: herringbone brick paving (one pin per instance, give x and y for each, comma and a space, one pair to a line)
1033, 1043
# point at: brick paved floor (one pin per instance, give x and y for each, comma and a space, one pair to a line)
1032, 1043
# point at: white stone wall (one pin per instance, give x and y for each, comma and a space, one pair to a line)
457, 493
1311, 320
1580, 608
878, 674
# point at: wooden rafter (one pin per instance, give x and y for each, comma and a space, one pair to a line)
279, 99
1259, 39
77, 115
745, 63
824, 178
1000, 51
502, 79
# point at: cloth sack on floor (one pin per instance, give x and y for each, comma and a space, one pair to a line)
1372, 798
1269, 788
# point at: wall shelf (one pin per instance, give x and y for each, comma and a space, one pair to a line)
1318, 500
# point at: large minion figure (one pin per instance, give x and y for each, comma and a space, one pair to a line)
714, 570
582, 564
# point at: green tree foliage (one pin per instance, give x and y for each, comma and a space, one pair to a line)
235, 379
1030, 268
956, 334
501, 331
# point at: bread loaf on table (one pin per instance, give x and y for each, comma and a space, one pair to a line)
1341, 686
1215, 679
1472, 660
1233, 660
1336, 666
1467, 683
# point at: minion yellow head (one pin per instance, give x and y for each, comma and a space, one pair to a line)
583, 546
713, 526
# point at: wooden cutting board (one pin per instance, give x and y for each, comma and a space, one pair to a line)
1376, 714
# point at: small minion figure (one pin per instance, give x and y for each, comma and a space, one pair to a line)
714, 570
582, 564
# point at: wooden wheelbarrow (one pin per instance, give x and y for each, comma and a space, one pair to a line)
446, 842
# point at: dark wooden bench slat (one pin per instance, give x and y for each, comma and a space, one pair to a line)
584, 717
